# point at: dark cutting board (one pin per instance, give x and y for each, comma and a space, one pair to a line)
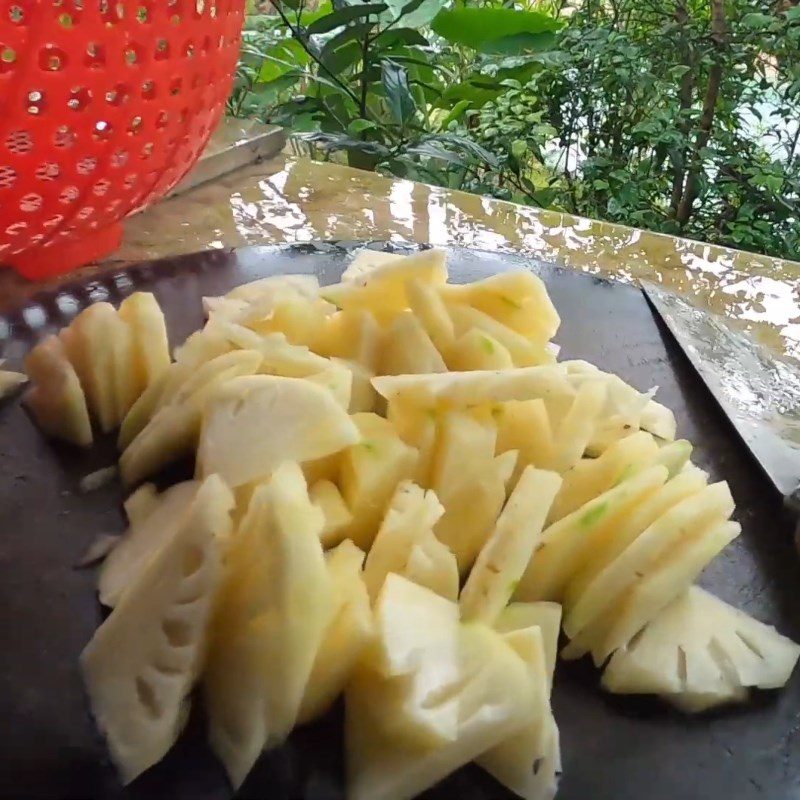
614, 748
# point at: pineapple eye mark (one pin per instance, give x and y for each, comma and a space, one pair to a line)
750, 645
147, 697
193, 558
178, 633
487, 344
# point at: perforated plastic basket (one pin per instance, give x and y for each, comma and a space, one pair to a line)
104, 106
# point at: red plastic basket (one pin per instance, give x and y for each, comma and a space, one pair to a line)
104, 107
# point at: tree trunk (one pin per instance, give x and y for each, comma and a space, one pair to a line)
719, 39
685, 98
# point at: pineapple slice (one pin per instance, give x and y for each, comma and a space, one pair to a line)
150, 343
433, 565
407, 348
254, 423
363, 396
10, 381
300, 319
545, 616
529, 762
593, 476
365, 261
100, 347
577, 427
469, 483
382, 291
325, 495
409, 519
55, 397
348, 634
369, 474
142, 661
566, 545
276, 285
524, 426
273, 611
700, 652
460, 389
523, 352
353, 335
652, 507
689, 517
476, 350
143, 541
503, 559
675, 456
517, 299
430, 310
676, 571
141, 503
173, 431
476, 684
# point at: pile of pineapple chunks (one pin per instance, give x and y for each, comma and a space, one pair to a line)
402, 497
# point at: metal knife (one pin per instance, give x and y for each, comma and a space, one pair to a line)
758, 391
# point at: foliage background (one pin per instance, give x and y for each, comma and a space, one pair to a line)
681, 116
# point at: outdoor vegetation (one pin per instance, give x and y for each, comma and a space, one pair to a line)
679, 116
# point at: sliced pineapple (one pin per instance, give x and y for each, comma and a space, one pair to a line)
10, 381
524, 426
365, 261
529, 762
689, 517
700, 652
141, 663
150, 343
409, 519
503, 559
517, 299
426, 303
144, 539
55, 397
463, 681
523, 352
469, 483
575, 431
433, 564
173, 431
477, 350
274, 608
591, 477
407, 348
544, 615
369, 474
254, 423
326, 496
569, 543
461, 389
382, 291
346, 637
100, 347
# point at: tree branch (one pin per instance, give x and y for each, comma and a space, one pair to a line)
718, 35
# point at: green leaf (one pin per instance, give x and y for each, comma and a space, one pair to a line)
394, 36
395, 82
519, 44
476, 27
414, 14
345, 16
757, 21
288, 51
358, 126
456, 113
347, 36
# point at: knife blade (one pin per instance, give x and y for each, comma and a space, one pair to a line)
757, 391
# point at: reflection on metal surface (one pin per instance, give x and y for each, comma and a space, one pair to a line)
297, 200
758, 392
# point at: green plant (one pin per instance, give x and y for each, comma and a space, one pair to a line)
374, 80
681, 116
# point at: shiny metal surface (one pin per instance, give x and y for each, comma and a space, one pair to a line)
759, 393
